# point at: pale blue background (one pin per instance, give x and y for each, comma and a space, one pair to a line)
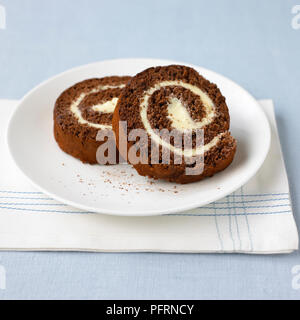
251, 42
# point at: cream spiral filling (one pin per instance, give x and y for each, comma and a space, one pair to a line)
180, 118
105, 107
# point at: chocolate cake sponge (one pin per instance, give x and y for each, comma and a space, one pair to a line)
174, 99
81, 111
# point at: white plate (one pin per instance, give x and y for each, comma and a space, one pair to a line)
118, 189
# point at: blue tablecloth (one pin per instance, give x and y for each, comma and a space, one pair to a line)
252, 42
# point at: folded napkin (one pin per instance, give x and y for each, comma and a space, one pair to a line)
256, 218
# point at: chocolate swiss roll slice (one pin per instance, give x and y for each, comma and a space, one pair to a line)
82, 112
185, 121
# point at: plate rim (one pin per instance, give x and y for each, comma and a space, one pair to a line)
186, 207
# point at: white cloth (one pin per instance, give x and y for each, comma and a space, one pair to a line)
257, 218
